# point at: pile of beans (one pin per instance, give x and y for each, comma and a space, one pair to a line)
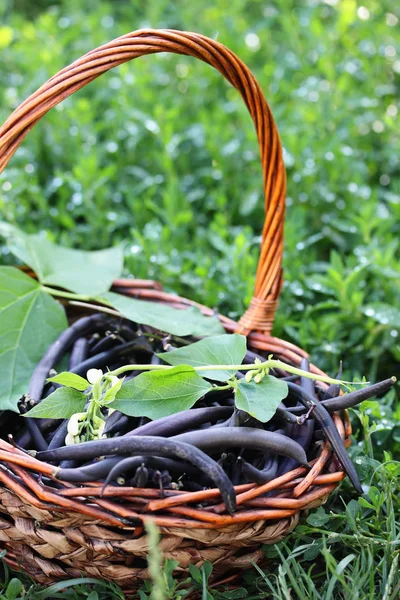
211, 445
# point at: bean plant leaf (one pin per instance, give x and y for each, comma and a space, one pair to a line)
71, 380
30, 320
158, 394
79, 271
61, 404
165, 318
260, 400
216, 350
111, 393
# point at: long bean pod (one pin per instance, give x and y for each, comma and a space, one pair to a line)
303, 435
104, 344
352, 398
79, 352
184, 420
115, 423
36, 434
94, 472
259, 476
283, 414
331, 433
217, 440
58, 438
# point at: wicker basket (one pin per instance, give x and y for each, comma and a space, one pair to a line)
55, 534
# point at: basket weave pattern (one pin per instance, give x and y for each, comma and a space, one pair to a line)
55, 533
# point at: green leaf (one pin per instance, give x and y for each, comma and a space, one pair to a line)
365, 504
158, 394
71, 380
61, 404
344, 563
165, 318
195, 574
89, 273
260, 400
217, 350
30, 320
353, 511
14, 589
383, 313
318, 518
6, 36
313, 550
111, 393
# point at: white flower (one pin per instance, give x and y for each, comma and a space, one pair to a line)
69, 439
74, 423
94, 375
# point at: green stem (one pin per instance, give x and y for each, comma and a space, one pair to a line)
98, 307
62, 294
219, 388
84, 301
269, 364
278, 364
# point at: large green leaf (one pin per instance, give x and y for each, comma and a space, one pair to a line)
30, 320
260, 400
158, 394
61, 404
165, 318
217, 350
82, 272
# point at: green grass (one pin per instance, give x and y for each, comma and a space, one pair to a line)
161, 153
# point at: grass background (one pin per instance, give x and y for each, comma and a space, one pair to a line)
161, 153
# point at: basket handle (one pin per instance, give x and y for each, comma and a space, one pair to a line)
260, 314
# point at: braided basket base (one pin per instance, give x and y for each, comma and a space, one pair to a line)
56, 533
